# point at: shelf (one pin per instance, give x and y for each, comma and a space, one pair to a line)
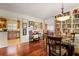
75, 23
67, 24
76, 14
75, 28
66, 28
76, 18
57, 23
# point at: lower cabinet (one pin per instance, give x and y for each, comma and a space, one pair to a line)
3, 39
13, 35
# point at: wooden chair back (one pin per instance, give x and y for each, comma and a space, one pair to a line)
54, 45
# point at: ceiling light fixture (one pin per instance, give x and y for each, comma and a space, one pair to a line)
63, 17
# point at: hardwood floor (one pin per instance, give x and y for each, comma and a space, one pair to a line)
26, 49
13, 42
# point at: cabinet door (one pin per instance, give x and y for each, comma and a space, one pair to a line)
3, 39
12, 35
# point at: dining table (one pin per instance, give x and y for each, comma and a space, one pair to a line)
68, 44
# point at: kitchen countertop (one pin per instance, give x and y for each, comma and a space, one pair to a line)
3, 31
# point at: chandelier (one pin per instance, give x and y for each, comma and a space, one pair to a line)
63, 17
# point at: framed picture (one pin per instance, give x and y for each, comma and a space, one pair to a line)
24, 25
24, 28
24, 31
31, 23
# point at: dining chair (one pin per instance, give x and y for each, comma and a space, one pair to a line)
55, 47
73, 36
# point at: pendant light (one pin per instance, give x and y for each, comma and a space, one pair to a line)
63, 17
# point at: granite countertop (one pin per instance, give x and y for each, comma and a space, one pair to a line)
3, 30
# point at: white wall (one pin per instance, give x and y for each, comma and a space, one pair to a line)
51, 28
51, 24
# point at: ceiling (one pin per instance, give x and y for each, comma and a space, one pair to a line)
38, 10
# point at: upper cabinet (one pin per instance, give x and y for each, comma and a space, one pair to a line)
18, 24
76, 20
3, 23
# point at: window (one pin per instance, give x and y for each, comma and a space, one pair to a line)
11, 26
